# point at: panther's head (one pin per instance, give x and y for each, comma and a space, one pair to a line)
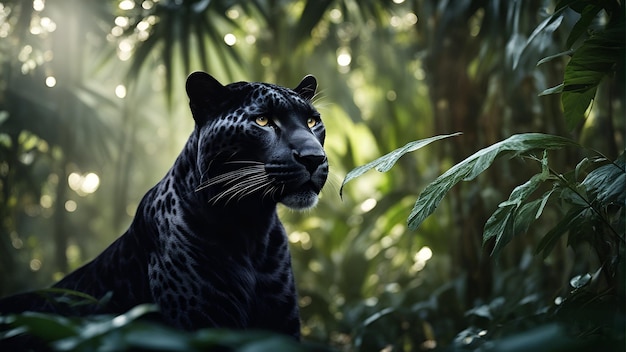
258, 142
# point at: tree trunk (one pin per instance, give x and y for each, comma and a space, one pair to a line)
457, 104
60, 228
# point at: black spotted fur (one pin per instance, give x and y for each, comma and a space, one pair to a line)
206, 244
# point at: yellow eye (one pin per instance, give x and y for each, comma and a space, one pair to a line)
262, 121
311, 122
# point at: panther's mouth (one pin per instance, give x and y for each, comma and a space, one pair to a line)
300, 200
302, 197
241, 181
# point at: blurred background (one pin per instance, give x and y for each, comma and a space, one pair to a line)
93, 112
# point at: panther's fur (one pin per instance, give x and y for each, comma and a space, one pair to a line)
206, 244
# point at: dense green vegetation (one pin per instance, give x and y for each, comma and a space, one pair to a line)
508, 236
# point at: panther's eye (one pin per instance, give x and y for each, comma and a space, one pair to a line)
311, 122
262, 121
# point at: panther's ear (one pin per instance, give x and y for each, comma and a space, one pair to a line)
205, 94
307, 87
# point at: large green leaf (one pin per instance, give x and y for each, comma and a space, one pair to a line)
128, 332
513, 220
508, 219
607, 183
386, 162
475, 164
548, 25
48, 327
94, 330
603, 187
588, 14
596, 58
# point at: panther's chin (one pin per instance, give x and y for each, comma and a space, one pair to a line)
300, 200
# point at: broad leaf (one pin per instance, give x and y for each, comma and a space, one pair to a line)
590, 63
587, 16
152, 337
386, 162
471, 167
528, 213
48, 327
607, 183
548, 25
508, 220
499, 223
586, 228
548, 241
94, 329
575, 105
575, 195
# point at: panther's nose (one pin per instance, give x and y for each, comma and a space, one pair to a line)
310, 161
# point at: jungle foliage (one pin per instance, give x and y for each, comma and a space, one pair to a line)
505, 233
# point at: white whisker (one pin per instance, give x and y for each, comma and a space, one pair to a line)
251, 188
253, 163
231, 176
333, 183
239, 183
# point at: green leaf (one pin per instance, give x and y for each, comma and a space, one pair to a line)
596, 57
385, 162
7, 334
527, 214
272, 343
575, 105
607, 183
152, 337
544, 201
374, 317
358, 341
581, 167
587, 16
76, 296
231, 340
94, 329
561, 4
520, 193
500, 226
584, 227
548, 241
555, 56
48, 327
506, 222
545, 337
575, 195
471, 167
550, 24
553, 90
